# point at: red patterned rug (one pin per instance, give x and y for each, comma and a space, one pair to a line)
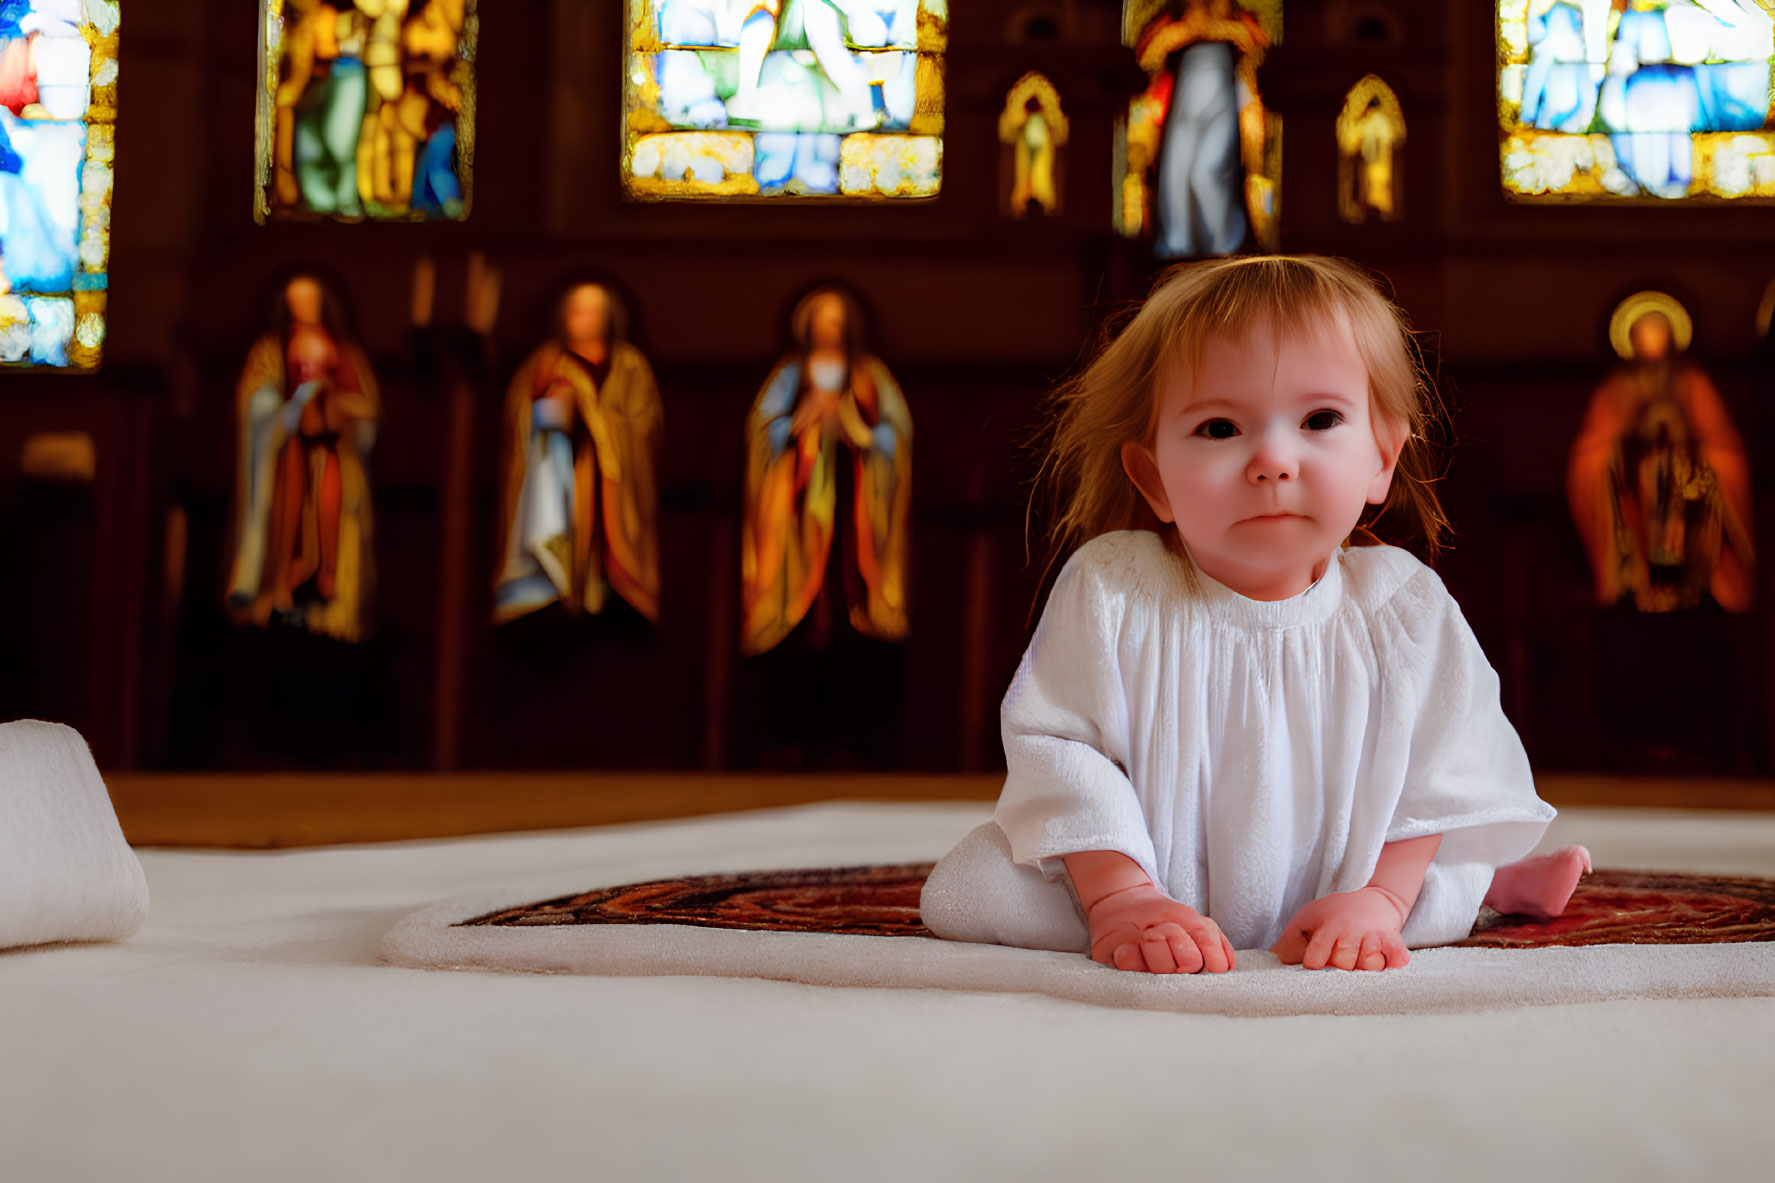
1609, 907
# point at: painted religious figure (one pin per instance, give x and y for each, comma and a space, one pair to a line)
1658, 479
366, 108
1033, 129
1370, 134
308, 410
1200, 161
828, 482
580, 503
1636, 98
58, 108
770, 98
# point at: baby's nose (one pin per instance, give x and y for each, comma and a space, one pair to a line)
1272, 466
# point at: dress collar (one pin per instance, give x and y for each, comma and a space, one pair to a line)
1314, 604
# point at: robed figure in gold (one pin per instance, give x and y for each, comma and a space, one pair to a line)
829, 465
1658, 479
1034, 128
308, 410
580, 497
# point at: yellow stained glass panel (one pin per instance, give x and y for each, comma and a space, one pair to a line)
366, 110
762, 99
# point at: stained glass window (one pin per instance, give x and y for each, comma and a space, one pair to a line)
1635, 99
1033, 129
1198, 162
1370, 135
366, 109
769, 98
58, 111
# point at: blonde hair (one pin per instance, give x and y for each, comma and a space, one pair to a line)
1114, 399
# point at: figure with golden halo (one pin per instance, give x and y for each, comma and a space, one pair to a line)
580, 496
1658, 479
308, 409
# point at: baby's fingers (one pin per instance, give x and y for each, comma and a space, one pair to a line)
1291, 948
1127, 956
1215, 955
1226, 947
1156, 946
1344, 950
1373, 955
1318, 951
1183, 949
1398, 957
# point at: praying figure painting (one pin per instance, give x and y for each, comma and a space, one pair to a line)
366, 109
772, 98
308, 409
58, 110
1033, 129
1658, 478
580, 502
1198, 163
1636, 99
828, 482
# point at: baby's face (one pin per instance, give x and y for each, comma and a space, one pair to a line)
1265, 458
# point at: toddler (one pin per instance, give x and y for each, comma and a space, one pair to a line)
1242, 721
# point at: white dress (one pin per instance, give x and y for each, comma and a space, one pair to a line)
1254, 756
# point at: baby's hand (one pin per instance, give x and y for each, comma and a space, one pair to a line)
1350, 930
1142, 929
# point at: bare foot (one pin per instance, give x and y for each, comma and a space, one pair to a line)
1540, 886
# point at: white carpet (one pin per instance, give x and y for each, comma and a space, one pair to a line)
1437, 980
250, 1032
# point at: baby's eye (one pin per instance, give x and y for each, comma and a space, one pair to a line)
1218, 429
1323, 420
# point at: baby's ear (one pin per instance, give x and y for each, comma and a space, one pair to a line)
1390, 436
1143, 470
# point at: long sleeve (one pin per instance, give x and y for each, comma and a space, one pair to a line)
1717, 440
1065, 724
1466, 775
259, 398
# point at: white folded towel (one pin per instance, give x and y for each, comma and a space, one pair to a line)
66, 871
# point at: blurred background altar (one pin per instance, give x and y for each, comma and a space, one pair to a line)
117, 485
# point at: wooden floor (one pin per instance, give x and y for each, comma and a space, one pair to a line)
313, 809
